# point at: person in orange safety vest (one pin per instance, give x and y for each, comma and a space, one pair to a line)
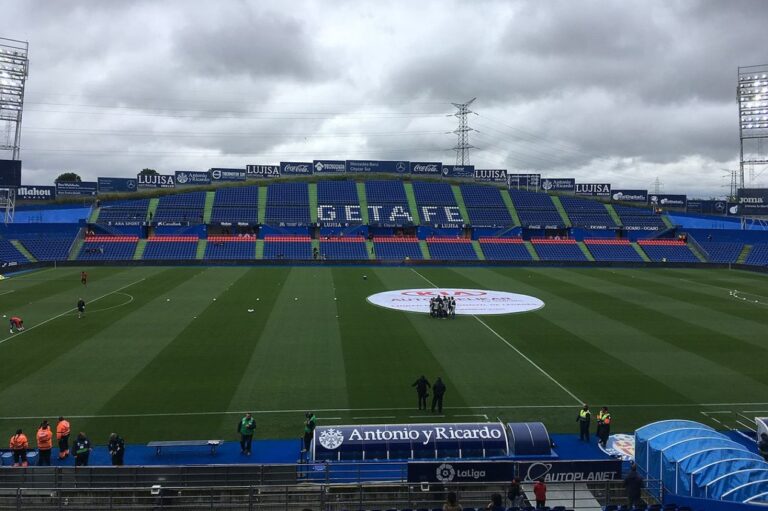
62, 435
44, 444
19, 445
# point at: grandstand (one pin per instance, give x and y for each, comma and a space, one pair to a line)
437, 204
387, 204
536, 210
665, 250
758, 256
108, 248
448, 249
174, 248
397, 248
639, 219
505, 249
558, 250
588, 214
288, 247
288, 204
612, 250
230, 247
236, 205
485, 206
180, 208
338, 204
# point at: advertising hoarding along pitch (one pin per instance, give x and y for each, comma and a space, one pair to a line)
329, 166
593, 189
32, 192
156, 181
262, 171
753, 201
75, 189
381, 166
192, 177
637, 196
295, 168
558, 184
117, 184
219, 175
665, 200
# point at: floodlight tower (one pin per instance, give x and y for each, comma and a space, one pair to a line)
462, 132
752, 95
14, 64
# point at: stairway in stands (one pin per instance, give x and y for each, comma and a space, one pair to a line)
201, 244
412, 206
139, 253
510, 206
561, 210
641, 253
152, 208
460, 202
312, 188
21, 248
363, 201
262, 203
208, 207
744, 254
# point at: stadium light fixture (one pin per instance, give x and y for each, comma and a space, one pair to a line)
14, 68
752, 97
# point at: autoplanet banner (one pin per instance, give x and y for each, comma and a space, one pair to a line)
329, 166
295, 168
30, 192
638, 196
668, 201
555, 184
385, 167
593, 189
262, 171
753, 201
459, 171
73, 189
190, 177
504, 471
116, 184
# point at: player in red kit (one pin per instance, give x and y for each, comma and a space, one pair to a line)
84, 278
17, 323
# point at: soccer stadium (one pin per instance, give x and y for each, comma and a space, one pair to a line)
399, 334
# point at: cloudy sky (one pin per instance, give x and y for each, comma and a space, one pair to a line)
621, 92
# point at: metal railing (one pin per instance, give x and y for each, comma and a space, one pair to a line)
369, 496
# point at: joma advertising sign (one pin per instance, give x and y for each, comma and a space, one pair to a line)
753, 201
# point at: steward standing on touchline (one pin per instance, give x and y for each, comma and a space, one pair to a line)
584, 418
603, 426
44, 444
62, 435
19, 445
422, 387
309, 429
246, 427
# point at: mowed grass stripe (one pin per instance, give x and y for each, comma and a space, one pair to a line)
515, 380
711, 309
73, 366
688, 326
548, 336
297, 362
666, 343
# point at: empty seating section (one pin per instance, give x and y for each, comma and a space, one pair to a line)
49, 249
287, 247
587, 213
639, 218
387, 203
612, 250
447, 249
485, 207
720, 252
237, 204
124, 211
288, 203
758, 255
668, 250
558, 250
184, 207
536, 209
108, 248
337, 203
171, 247
436, 204
504, 249
10, 254
338, 249
230, 247
397, 248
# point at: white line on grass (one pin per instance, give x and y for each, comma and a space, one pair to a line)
747, 426
755, 411
494, 332
379, 417
355, 410
748, 418
7, 292
711, 418
14, 336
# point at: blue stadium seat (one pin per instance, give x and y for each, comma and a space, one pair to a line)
385, 192
531, 200
721, 252
669, 250
397, 248
478, 196
758, 255
612, 250
451, 250
170, 248
288, 247
49, 249
230, 248
237, 197
489, 217
283, 215
337, 192
558, 250
343, 249
288, 194
501, 249
108, 248
433, 194
9, 253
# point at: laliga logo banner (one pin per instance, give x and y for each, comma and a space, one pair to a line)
429, 168
468, 301
261, 171
156, 181
30, 192
295, 168
460, 472
329, 166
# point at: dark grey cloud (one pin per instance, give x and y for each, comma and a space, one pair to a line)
617, 91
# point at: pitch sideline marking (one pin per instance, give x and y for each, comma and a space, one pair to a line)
494, 332
67, 312
354, 410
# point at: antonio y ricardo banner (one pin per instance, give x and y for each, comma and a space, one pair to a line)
117, 184
558, 184
381, 166
191, 177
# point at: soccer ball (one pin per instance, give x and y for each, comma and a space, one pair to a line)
365, 277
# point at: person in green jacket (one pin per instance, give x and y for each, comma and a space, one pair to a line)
309, 429
246, 427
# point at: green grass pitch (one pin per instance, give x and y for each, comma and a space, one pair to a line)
173, 353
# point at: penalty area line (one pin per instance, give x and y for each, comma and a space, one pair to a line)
14, 336
513, 347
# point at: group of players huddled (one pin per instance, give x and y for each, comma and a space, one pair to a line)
442, 307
